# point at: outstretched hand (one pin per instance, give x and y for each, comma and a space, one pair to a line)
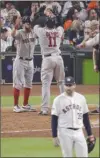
81, 45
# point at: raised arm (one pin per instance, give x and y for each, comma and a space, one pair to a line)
16, 26
90, 43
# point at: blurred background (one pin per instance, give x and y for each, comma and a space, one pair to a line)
80, 20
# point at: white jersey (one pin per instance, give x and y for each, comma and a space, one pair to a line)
93, 41
49, 39
6, 43
70, 110
25, 43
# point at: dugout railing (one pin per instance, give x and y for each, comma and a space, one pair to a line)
73, 59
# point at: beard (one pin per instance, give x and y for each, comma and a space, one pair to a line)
69, 92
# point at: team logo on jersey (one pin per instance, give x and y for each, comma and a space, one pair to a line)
27, 40
52, 34
68, 79
70, 107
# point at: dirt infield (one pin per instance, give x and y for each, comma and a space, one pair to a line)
36, 90
30, 124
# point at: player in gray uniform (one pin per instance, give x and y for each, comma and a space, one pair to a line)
50, 38
23, 67
69, 113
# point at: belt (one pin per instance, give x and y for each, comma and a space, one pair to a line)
73, 128
48, 55
28, 59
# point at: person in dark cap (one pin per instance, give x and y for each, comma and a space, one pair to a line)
70, 85
69, 113
50, 37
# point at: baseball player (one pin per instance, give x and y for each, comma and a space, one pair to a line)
69, 113
50, 38
23, 66
94, 42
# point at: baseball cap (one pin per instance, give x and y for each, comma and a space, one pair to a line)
3, 30
69, 80
26, 19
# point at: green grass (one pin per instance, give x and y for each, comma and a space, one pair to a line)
28, 147
34, 147
7, 101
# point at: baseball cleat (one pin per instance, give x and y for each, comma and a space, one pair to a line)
43, 113
17, 108
28, 108
94, 112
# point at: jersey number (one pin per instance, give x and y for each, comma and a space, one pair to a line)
52, 41
79, 115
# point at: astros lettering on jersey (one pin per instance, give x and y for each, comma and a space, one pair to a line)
70, 110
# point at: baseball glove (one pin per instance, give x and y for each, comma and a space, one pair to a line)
91, 144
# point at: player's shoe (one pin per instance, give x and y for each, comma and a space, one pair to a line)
94, 112
43, 113
17, 108
28, 108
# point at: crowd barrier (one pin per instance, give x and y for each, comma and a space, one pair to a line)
72, 64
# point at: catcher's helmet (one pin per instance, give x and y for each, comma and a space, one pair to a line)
26, 19
51, 22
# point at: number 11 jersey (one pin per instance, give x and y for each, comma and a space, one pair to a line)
49, 39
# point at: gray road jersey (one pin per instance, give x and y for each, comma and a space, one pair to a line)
25, 43
49, 39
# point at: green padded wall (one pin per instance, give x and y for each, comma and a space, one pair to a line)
89, 76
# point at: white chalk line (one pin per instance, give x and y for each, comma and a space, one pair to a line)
93, 104
38, 130
90, 104
93, 125
26, 131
